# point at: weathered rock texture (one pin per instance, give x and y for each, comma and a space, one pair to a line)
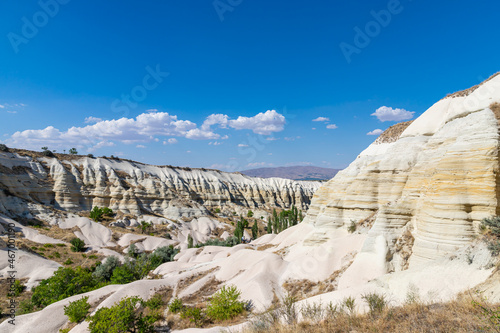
77, 184
435, 178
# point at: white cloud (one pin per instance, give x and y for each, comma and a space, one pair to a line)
215, 143
331, 126
272, 139
11, 111
242, 145
188, 151
314, 128
2, 106
385, 113
152, 110
171, 141
144, 128
377, 131
262, 123
199, 134
140, 146
259, 165
215, 119
321, 119
92, 120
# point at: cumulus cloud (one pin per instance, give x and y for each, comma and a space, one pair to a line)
259, 165
2, 106
321, 119
171, 141
215, 119
92, 120
144, 128
385, 113
262, 123
331, 126
140, 146
377, 131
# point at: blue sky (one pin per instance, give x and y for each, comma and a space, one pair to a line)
232, 84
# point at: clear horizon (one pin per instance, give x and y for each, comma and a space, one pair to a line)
232, 84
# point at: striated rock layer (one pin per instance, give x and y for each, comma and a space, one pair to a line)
429, 181
79, 183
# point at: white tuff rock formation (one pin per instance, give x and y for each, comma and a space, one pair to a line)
78, 184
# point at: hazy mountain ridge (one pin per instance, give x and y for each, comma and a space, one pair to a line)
298, 172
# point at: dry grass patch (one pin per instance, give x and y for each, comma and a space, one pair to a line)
5, 300
456, 316
467, 92
393, 133
265, 247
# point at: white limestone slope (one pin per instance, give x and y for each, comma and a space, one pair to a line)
437, 181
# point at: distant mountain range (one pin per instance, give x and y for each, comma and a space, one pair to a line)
294, 172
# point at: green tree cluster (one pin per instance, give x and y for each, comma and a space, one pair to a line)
97, 213
284, 220
128, 315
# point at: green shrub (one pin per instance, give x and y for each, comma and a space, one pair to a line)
377, 303
48, 153
249, 213
64, 283
17, 288
154, 303
26, 306
61, 244
97, 213
190, 241
352, 227
57, 254
176, 306
349, 303
104, 271
77, 245
229, 242
77, 310
92, 256
225, 304
217, 210
48, 245
493, 223
122, 317
73, 151
195, 315
68, 261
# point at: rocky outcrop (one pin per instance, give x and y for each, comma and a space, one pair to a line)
78, 184
436, 176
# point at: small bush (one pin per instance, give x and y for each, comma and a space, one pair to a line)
48, 245
61, 244
77, 310
352, 227
349, 304
68, 262
77, 245
90, 155
217, 210
493, 223
249, 213
4, 148
18, 288
73, 151
377, 303
97, 213
195, 315
104, 271
48, 153
225, 304
122, 317
176, 306
154, 303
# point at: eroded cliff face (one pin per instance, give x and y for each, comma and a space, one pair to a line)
78, 184
424, 185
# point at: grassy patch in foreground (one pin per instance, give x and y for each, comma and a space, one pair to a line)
459, 315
